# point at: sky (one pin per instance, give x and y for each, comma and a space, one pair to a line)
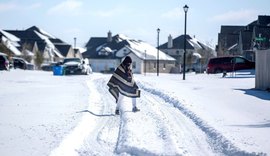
83, 19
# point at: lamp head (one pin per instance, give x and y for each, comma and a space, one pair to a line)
185, 8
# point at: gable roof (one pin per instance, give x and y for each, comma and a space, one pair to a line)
10, 41
178, 43
263, 20
95, 41
43, 39
191, 43
227, 29
102, 48
63, 48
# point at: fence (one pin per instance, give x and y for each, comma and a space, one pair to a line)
262, 79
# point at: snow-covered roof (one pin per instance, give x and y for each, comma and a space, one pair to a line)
49, 44
11, 46
34, 28
10, 36
146, 51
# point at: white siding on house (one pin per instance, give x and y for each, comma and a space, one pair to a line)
138, 63
101, 65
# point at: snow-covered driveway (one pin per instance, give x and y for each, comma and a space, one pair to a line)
162, 127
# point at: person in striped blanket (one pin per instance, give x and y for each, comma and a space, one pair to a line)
122, 84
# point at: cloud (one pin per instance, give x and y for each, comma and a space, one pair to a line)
236, 16
12, 6
8, 6
109, 12
175, 13
34, 6
68, 7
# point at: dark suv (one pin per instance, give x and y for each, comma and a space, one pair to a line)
228, 64
4, 62
22, 64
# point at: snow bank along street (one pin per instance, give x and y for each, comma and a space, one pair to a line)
42, 114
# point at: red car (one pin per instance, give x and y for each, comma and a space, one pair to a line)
228, 64
4, 62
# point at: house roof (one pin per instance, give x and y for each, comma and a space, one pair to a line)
102, 48
178, 43
63, 48
42, 38
263, 20
95, 41
191, 43
227, 29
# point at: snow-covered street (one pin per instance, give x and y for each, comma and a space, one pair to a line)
42, 114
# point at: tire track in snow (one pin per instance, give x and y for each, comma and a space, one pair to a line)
138, 130
217, 141
103, 140
96, 133
186, 137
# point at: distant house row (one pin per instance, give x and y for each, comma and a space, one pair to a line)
106, 53
244, 40
34, 40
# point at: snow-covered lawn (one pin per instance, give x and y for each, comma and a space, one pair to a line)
42, 114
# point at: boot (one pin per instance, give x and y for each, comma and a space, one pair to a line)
116, 112
135, 109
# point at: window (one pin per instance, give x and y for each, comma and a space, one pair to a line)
239, 60
164, 66
133, 65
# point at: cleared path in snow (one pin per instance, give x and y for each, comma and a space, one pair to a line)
158, 129
162, 127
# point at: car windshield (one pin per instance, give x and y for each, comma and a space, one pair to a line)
72, 60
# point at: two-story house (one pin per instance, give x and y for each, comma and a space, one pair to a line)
197, 53
106, 53
243, 40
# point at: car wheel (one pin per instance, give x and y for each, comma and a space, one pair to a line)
218, 70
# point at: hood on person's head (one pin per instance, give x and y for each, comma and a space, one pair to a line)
127, 61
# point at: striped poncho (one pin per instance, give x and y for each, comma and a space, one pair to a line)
122, 81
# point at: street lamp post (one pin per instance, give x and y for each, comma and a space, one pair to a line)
75, 50
145, 63
158, 30
185, 38
75, 42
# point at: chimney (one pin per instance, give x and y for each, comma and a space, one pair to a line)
170, 41
109, 39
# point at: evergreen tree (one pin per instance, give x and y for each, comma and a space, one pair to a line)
38, 59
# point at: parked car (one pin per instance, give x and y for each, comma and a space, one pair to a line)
4, 62
76, 66
21, 64
228, 64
